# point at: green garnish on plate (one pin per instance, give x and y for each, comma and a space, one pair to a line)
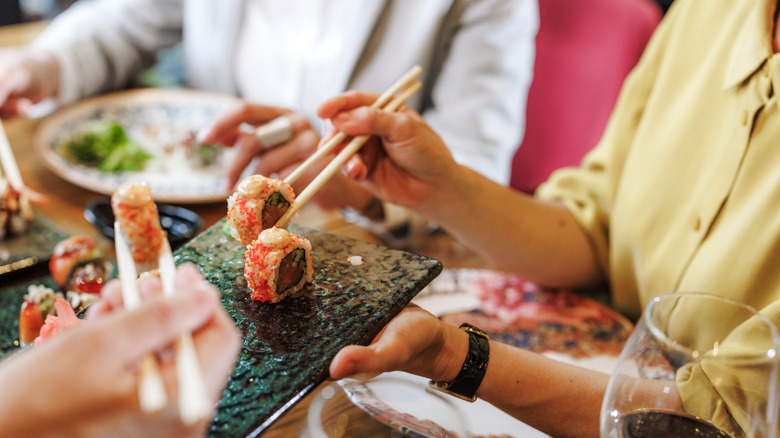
104, 145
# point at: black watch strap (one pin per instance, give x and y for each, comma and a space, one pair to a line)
466, 383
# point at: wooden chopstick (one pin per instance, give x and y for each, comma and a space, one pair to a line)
11, 168
151, 389
339, 137
193, 402
353, 146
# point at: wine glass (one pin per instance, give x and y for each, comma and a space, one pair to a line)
696, 365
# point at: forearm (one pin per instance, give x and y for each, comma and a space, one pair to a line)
557, 398
540, 241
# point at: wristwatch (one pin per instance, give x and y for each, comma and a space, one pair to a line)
466, 383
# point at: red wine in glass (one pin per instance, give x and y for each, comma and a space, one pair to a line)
647, 424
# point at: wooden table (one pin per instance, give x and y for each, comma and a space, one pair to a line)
65, 202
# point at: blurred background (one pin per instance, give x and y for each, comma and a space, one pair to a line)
18, 11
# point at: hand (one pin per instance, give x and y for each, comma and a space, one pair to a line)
27, 76
415, 341
280, 160
84, 381
407, 165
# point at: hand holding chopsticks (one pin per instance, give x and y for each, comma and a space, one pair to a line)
193, 401
151, 390
388, 101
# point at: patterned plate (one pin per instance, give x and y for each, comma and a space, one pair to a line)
557, 323
158, 120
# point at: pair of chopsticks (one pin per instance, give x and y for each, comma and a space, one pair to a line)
404, 88
193, 402
11, 168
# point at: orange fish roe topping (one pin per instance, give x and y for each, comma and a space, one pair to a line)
262, 265
139, 221
245, 206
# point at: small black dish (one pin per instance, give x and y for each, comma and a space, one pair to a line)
180, 223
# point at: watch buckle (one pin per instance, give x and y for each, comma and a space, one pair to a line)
443, 387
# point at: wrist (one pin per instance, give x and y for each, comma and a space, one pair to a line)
450, 357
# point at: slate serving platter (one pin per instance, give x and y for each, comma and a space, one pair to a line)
21, 252
288, 346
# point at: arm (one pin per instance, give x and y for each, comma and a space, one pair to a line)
100, 45
412, 167
97, 364
528, 386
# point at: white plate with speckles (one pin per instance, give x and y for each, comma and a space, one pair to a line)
157, 119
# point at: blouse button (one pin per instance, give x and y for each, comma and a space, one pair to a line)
696, 223
744, 117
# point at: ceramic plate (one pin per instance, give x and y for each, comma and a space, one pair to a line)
158, 120
33, 248
557, 323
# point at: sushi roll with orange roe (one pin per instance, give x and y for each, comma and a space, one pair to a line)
257, 204
278, 264
139, 221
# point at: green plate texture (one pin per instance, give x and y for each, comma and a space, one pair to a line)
288, 346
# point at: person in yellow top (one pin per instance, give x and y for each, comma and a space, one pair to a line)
681, 193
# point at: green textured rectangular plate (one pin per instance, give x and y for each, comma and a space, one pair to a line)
17, 253
288, 346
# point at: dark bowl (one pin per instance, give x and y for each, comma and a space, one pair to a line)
180, 223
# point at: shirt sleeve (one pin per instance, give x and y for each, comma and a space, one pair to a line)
479, 97
717, 389
102, 44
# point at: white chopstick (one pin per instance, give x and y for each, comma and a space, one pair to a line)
339, 137
193, 402
151, 389
11, 168
353, 146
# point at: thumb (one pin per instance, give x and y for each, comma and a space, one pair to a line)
374, 359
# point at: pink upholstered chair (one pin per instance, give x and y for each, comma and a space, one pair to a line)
584, 50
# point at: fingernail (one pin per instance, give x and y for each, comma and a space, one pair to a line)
341, 118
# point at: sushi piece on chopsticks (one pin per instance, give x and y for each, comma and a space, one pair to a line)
15, 209
135, 211
256, 205
278, 264
141, 242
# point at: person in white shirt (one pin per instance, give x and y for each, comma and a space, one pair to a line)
287, 57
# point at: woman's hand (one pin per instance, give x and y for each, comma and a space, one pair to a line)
84, 381
27, 76
415, 341
279, 160
409, 165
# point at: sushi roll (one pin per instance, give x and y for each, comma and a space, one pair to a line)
40, 306
257, 204
278, 264
77, 265
139, 221
13, 218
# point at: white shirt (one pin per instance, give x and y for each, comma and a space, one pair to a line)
477, 56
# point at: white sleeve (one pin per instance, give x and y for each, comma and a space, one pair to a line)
479, 97
102, 44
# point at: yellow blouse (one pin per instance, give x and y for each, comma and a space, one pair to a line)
683, 190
